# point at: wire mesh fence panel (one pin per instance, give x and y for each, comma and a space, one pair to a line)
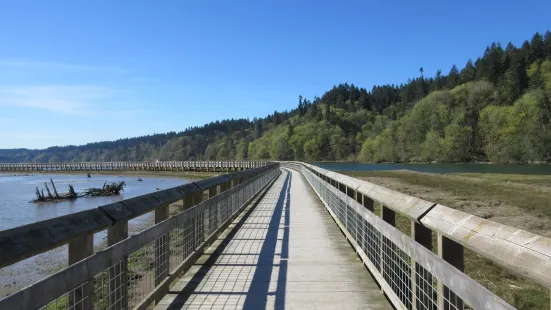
222, 209
425, 290
77, 299
235, 201
351, 222
396, 270
110, 287
177, 239
141, 273
197, 225
162, 254
212, 216
414, 286
372, 244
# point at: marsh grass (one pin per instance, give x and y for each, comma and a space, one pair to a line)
504, 195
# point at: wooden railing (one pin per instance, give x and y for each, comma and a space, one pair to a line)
132, 272
408, 271
144, 165
404, 265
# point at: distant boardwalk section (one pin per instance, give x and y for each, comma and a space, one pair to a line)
212, 166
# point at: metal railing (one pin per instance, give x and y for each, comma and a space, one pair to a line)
134, 272
143, 165
409, 273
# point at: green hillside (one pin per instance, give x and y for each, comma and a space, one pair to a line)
497, 108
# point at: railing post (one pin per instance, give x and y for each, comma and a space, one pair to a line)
118, 292
453, 253
368, 203
389, 216
79, 249
421, 281
223, 212
213, 191
188, 203
161, 248
200, 220
206, 217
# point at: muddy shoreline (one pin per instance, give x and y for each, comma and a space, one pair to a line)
31, 270
22, 274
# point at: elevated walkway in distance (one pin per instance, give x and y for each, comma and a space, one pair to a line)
285, 252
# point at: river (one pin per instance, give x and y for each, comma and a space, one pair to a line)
16, 192
534, 169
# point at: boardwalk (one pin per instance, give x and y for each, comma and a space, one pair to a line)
265, 241
283, 252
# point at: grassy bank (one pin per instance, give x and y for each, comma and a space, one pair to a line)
516, 200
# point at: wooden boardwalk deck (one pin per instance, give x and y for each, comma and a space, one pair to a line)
285, 252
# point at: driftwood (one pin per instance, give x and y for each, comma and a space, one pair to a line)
107, 190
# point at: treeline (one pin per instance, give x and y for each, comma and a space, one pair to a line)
496, 108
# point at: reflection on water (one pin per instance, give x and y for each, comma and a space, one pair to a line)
441, 168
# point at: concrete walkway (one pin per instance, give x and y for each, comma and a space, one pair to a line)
284, 253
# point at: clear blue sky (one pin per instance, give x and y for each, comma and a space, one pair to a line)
73, 72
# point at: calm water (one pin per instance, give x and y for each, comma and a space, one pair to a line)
441, 168
16, 210
17, 191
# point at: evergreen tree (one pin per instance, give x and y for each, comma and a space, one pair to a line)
468, 73
547, 44
453, 77
537, 48
439, 80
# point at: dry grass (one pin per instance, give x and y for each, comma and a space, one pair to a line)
516, 200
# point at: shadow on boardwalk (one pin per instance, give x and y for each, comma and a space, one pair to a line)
258, 294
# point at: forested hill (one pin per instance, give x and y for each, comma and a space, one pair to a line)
497, 108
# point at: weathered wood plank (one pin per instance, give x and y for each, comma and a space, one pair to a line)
527, 254
353, 183
410, 206
136, 206
25, 241
211, 182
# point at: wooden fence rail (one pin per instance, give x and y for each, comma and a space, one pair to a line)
518, 251
212, 166
159, 253
409, 273
78, 228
